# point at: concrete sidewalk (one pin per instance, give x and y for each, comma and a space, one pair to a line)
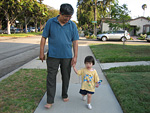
119, 64
103, 100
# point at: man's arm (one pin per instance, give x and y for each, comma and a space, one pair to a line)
75, 50
42, 45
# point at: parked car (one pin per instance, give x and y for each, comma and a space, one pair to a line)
1, 31
114, 35
18, 30
148, 38
32, 29
39, 29
12, 30
28, 30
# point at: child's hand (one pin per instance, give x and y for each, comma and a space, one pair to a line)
97, 85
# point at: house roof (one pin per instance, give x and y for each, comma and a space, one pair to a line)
110, 19
113, 20
139, 18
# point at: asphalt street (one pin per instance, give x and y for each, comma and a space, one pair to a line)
14, 55
14, 52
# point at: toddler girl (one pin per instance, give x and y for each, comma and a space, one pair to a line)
90, 79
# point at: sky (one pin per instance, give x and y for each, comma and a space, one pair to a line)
135, 6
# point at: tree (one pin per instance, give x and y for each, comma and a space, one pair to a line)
121, 15
92, 10
85, 13
11, 9
104, 8
38, 12
40, 1
51, 12
44, 16
2, 19
144, 6
27, 12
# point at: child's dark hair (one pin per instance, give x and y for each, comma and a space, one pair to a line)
66, 9
89, 59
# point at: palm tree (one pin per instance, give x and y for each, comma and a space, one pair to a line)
40, 1
144, 6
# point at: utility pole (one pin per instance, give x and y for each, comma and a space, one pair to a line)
95, 18
95, 15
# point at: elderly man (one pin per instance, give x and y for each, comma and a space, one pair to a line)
61, 33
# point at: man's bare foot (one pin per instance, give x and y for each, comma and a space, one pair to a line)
48, 106
65, 99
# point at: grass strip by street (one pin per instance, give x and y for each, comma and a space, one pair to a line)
22, 91
117, 53
131, 86
21, 34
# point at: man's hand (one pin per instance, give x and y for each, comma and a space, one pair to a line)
74, 61
42, 57
75, 49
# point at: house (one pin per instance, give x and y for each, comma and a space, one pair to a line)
141, 22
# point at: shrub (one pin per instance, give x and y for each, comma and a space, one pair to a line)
93, 36
86, 32
148, 33
87, 37
142, 36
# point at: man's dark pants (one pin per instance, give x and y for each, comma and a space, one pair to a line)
52, 69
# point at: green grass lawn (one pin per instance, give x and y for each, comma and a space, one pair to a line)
21, 34
131, 83
131, 86
117, 53
22, 91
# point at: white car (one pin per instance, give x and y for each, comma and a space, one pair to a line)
32, 29
148, 38
114, 35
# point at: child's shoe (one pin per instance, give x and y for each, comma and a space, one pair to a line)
84, 98
89, 106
